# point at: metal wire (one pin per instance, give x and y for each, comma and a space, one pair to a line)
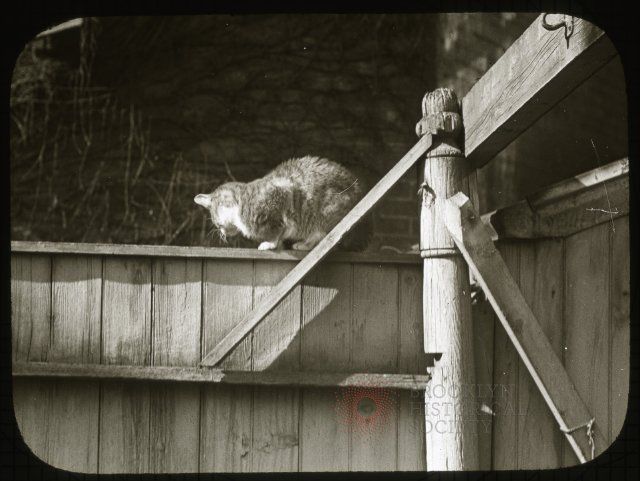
589, 426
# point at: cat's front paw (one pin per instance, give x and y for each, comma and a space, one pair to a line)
267, 246
301, 246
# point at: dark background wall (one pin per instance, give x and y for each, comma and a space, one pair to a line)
116, 125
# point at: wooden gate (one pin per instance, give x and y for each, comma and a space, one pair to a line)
86, 304
108, 340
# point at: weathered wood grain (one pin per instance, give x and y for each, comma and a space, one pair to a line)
483, 344
183, 375
451, 423
76, 300
175, 409
276, 346
126, 339
538, 70
411, 454
275, 429
411, 356
581, 182
326, 306
75, 337
533, 347
30, 333
374, 347
620, 320
222, 253
226, 434
126, 313
374, 332
541, 283
587, 327
30, 306
326, 318
451, 433
276, 341
118, 372
227, 297
506, 375
326, 330
31, 404
566, 208
297, 273
63, 413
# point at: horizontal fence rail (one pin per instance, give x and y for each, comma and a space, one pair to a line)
414, 382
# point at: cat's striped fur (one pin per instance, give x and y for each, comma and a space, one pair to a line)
299, 201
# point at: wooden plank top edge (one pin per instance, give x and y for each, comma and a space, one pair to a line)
44, 247
557, 200
584, 181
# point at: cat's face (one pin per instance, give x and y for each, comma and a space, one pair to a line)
223, 205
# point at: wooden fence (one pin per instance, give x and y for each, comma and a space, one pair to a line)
357, 313
356, 316
108, 340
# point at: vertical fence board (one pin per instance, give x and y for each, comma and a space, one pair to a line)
541, 283
30, 306
506, 365
326, 320
484, 323
75, 337
411, 455
374, 336
276, 345
620, 318
587, 323
126, 332
75, 320
175, 408
228, 297
374, 348
225, 439
30, 327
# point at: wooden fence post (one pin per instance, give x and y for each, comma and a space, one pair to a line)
450, 397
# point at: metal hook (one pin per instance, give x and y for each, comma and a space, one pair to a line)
568, 27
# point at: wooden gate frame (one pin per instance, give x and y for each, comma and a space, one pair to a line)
505, 102
543, 66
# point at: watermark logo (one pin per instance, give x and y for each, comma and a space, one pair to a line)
365, 409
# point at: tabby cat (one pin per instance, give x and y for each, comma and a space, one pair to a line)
298, 202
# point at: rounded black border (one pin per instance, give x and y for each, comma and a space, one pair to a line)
26, 18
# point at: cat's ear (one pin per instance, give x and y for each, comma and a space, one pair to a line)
203, 199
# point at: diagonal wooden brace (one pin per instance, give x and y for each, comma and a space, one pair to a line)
473, 240
295, 275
